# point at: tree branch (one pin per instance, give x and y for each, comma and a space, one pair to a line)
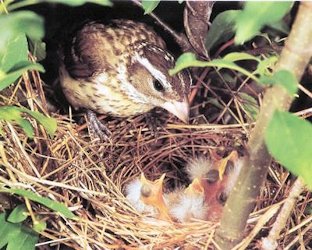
295, 56
180, 38
270, 242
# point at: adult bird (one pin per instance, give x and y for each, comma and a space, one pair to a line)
121, 68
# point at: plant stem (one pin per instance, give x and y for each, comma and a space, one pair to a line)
270, 242
180, 38
295, 56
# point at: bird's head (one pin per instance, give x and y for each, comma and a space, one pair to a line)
148, 71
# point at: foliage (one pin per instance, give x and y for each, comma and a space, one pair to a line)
19, 23
287, 138
15, 29
189, 60
14, 114
75, 3
247, 23
149, 5
255, 15
250, 105
9, 6
15, 72
222, 28
13, 45
54, 205
14, 234
19, 214
265, 66
283, 78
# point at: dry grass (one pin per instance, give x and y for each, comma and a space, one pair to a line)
89, 177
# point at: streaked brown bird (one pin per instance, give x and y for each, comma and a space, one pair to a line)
121, 69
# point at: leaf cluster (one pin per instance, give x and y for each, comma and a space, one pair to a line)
14, 232
286, 134
15, 115
18, 30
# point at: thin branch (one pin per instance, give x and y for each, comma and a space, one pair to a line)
180, 38
295, 56
270, 242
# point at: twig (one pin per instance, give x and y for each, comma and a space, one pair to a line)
270, 242
295, 56
179, 38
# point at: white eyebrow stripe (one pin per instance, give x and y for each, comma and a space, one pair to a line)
155, 72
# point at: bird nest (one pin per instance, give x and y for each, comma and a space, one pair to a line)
90, 177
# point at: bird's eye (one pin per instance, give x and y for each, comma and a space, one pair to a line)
222, 197
158, 86
213, 176
146, 191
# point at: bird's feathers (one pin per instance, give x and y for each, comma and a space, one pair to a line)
198, 168
112, 68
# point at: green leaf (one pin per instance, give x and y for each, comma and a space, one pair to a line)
53, 205
186, 60
189, 60
22, 238
250, 105
100, 2
14, 114
5, 230
27, 127
239, 56
81, 2
73, 3
39, 226
255, 15
284, 78
19, 214
14, 60
19, 23
266, 66
16, 236
149, 5
16, 52
222, 28
288, 139
38, 49
280, 26
48, 123
8, 78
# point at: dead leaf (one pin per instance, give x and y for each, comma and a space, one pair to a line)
196, 23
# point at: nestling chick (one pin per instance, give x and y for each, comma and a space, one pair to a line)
121, 68
217, 178
181, 205
187, 204
203, 199
147, 197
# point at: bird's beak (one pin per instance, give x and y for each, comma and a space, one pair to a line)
155, 187
179, 109
195, 188
152, 194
